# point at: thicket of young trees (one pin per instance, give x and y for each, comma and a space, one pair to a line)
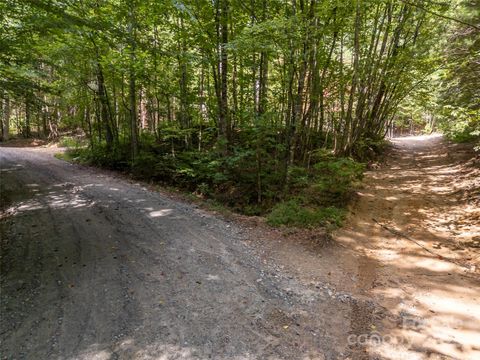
449, 99
458, 106
248, 101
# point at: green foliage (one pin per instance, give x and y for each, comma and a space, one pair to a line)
241, 123
103, 156
447, 99
366, 149
295, 213
320, 193
334, 180
66, 156
461, 125
74, 142
317, 195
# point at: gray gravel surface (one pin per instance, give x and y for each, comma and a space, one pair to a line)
94, 266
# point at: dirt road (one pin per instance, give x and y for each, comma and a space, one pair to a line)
97, 267
417, 223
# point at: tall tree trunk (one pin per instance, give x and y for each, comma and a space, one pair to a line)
356, 59
28, 116
6, 117
103, 111
105, 115
45, 115
132, 83
263, 78
184, 115
298, 100
223, 118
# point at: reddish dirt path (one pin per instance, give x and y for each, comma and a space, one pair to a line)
417, 222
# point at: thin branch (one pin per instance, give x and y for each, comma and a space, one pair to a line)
441, 15
405, 236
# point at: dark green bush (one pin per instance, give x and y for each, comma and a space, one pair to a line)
334, 180
367, 149
113, 158
249, 179
320, 194
294, 213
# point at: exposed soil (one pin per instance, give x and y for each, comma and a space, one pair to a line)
408, 256
418, 222
98, 267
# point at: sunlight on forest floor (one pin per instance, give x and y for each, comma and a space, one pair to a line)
415, 138
159, 213
424, 271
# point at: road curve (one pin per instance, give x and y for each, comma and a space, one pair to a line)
97, 267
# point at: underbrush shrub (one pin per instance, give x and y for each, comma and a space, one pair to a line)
249, 179
461, 125
463, 132
144, 165
369, 148
110, 158
334, 181
319, 194
295, 212
72, 142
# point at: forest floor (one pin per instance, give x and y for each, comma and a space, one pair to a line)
96, 266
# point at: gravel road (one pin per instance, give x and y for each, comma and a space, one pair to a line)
95, 266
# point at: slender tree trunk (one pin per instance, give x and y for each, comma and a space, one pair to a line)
104, 109
132, 84
356, 58
28, 116
184, 115
223, 118
263, 78
45, 115
6, 117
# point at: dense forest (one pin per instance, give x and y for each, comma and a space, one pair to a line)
267, 106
